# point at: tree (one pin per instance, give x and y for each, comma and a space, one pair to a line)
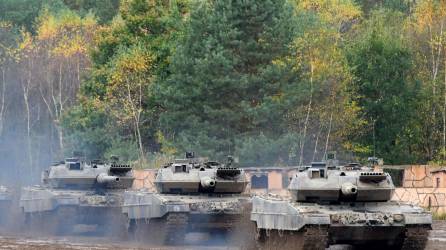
49, 66
323, 69
145, 30
229, 75
428, 38
405, 6
129, 85
104, 10
385, 93
62, 43
23, 13
6, 58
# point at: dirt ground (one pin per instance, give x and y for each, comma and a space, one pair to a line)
437, 241
437, 237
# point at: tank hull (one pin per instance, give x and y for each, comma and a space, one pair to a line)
178, 215
88, 183
185, 187
387, 223
63, 212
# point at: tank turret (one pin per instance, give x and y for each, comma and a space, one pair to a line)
197, 175
74, 174
353, 182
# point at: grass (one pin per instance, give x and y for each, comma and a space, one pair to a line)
438, 216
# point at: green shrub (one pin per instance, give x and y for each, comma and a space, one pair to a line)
267, 151
438, 216
127, 151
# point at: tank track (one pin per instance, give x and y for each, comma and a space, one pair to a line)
176, 228
241, 233
56, 222
315, 238
415, 238
152, 232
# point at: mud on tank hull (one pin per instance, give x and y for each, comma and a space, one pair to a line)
283, 224
160, 219
64, 212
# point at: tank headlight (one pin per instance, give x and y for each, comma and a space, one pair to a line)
398, 217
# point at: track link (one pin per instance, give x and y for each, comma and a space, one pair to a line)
316, 238
277, 239
415, 238
176, 228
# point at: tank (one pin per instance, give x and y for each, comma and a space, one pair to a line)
339, 205
5, 204
78, 197
194, 197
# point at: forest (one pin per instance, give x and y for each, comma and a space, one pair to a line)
272, 82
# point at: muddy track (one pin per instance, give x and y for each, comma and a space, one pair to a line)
437, 237
437, 241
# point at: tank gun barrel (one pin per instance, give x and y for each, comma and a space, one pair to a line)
348, 189
105, 178
207, 182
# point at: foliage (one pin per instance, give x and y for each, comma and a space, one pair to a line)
127, 151
229, 75
263, 151
104, 10
130, 57
385, 92
405, 6
274, 82
23, 13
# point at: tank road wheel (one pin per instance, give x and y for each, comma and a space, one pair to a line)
156, 232
132, 228
64, 220
32, 223
260, 235
110, 222
40, 223
176, 228
137, 230
116, 226
242, 232
315, 238
415, 238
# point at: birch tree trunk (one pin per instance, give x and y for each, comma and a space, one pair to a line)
2, 100
59, 111
328, 135
444, 115
136, 113
302, 142
26, 86
316, 144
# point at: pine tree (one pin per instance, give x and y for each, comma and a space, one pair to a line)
229, 75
